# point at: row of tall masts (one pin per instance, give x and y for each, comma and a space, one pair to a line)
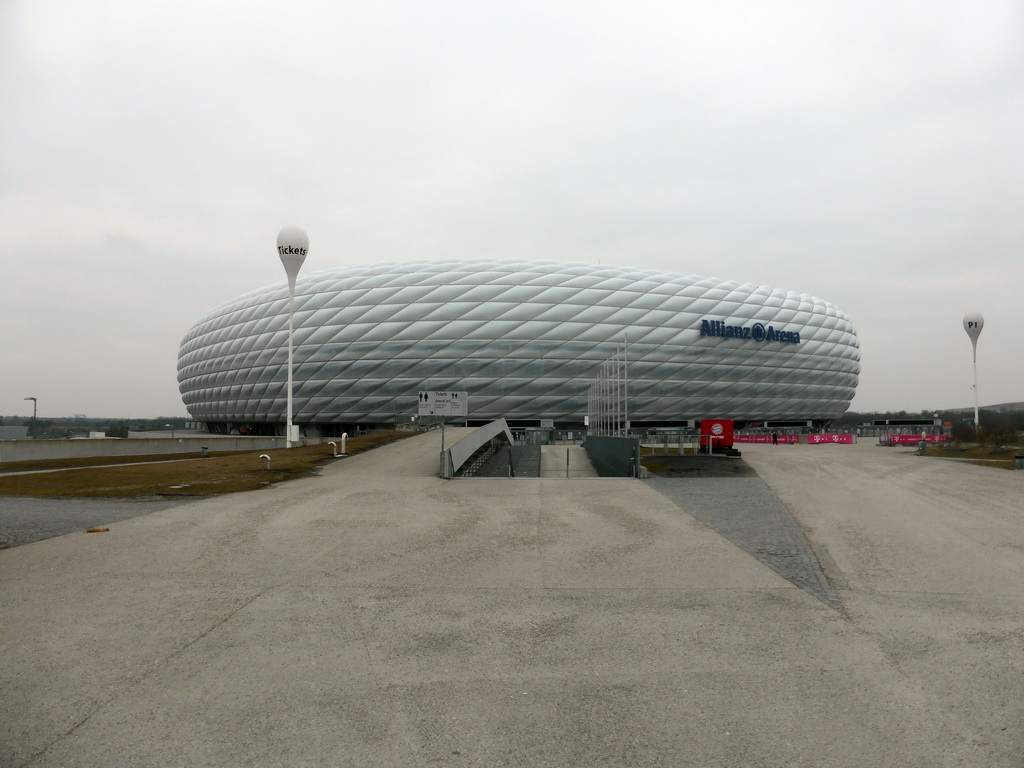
608, 396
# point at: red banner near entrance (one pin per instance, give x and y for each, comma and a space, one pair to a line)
718, 432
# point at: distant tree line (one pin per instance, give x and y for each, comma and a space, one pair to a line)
79, 426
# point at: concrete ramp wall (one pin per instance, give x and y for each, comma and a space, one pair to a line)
614, 456
461, 451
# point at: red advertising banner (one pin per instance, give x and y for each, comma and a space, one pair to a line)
835, 438
911, 439
783, 439
716, 431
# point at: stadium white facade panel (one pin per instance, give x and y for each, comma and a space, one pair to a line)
525, 339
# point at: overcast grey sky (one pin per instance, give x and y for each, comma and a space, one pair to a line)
869, 153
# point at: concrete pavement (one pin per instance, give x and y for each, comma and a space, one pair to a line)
375, 615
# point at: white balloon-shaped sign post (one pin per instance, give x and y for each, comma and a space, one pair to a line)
292, 246
973, 323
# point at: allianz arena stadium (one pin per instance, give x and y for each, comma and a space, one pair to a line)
525, 339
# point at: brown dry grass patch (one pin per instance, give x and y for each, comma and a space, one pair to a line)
177, 475
1002, 458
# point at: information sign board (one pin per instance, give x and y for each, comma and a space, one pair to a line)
443, 403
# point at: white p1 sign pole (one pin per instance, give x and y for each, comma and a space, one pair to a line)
441, 471
292, 246
973, 323
443, 403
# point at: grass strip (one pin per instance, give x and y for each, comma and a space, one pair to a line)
165, 475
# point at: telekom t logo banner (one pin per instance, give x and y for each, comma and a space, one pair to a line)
821, 439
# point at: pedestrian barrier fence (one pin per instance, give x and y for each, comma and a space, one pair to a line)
910, 439
822, 439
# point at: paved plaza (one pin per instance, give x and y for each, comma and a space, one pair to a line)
374, 615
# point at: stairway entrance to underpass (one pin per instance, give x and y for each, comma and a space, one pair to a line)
547, 461
567, 461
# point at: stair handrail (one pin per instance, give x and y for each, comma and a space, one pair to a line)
460, 452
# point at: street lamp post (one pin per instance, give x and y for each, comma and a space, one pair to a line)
973, 323
34, 410
292, 246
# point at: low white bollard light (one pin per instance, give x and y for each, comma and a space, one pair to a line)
344, 439
334, 447
265, 456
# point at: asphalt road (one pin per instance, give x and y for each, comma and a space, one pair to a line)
24, 520
377, 616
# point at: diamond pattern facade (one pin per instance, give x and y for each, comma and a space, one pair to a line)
525, 339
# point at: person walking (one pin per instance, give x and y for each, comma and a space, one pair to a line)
775, 438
